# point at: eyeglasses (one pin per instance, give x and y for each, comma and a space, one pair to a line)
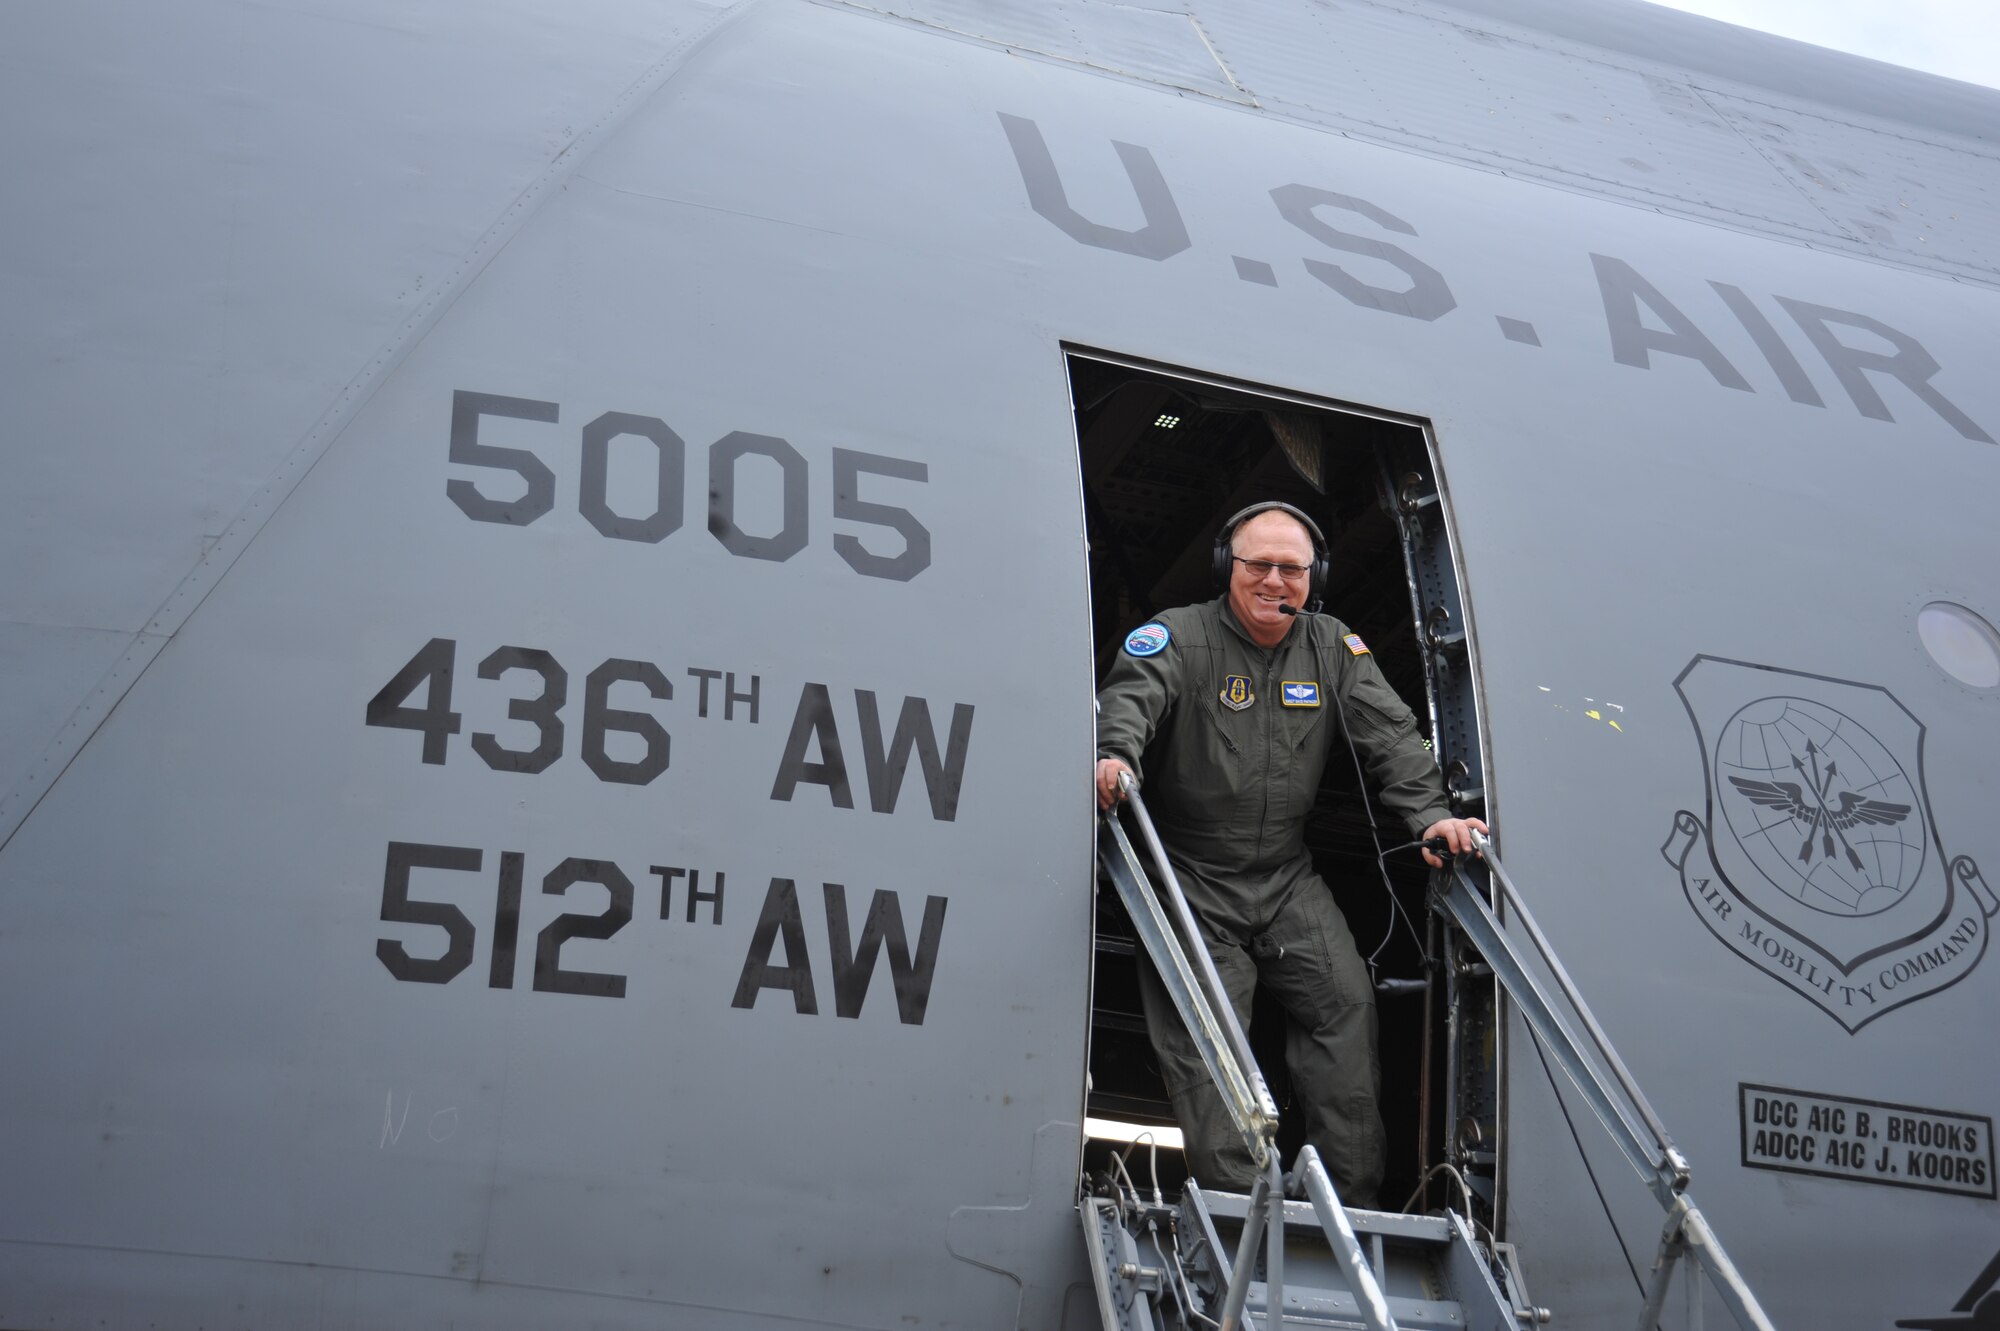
1261, 569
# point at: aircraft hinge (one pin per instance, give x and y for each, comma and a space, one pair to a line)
1415, 494
1439, 633
1457, 789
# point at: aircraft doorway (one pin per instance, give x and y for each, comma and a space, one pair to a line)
1166, 457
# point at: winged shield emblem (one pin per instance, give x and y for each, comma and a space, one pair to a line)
1816, 858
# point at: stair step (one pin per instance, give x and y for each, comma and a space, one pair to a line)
1313, 1306
1299, 1215
1427, 1266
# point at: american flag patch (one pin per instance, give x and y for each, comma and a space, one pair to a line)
1355, 645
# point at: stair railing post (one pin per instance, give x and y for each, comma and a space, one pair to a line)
1246, 1256
1670, 1251
1340, 1235
1729, 1283
1274, 1247
1691, 1291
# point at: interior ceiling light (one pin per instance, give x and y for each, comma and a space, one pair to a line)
1167, 422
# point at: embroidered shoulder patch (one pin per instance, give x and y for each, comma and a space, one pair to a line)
1355, 645
1148, 640
1299, 693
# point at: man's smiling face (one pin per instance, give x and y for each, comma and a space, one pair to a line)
1275, 538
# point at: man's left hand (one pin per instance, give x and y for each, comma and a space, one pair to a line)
1457, 833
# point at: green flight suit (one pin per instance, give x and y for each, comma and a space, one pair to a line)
1230, 788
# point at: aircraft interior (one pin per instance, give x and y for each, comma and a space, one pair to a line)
1166, 458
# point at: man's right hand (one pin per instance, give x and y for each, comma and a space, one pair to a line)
1108, 792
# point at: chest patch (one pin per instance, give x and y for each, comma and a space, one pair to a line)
1355, 645
1299, 693
1236, 694
1148, 640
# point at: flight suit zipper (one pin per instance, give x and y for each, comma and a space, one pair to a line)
1272, 748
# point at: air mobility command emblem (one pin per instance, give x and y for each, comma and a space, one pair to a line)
1236, 694
1818, 861
1299, 693
1148, 640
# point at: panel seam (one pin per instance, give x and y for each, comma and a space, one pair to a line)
215, 561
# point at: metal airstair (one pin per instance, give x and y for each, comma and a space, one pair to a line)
1290, 1253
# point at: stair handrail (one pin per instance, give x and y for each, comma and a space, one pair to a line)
1606, 1084
1210, 1018
1194, 986
1615, 1098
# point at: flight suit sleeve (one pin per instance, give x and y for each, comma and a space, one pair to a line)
1385, 730
1137, 696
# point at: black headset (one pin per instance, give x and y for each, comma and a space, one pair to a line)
1222, 562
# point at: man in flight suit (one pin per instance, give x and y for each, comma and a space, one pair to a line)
1222, 709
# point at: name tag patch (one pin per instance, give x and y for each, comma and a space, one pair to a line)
1299, 693
1148, 640
1355, 645
1236, 694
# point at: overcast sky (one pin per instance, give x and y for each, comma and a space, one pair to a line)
1957, 38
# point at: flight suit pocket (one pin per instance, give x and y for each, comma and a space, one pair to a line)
1215, 773
1307, 958
1219, 728
1377, 709
1301, 722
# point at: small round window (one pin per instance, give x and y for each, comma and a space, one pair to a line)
1964, 645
